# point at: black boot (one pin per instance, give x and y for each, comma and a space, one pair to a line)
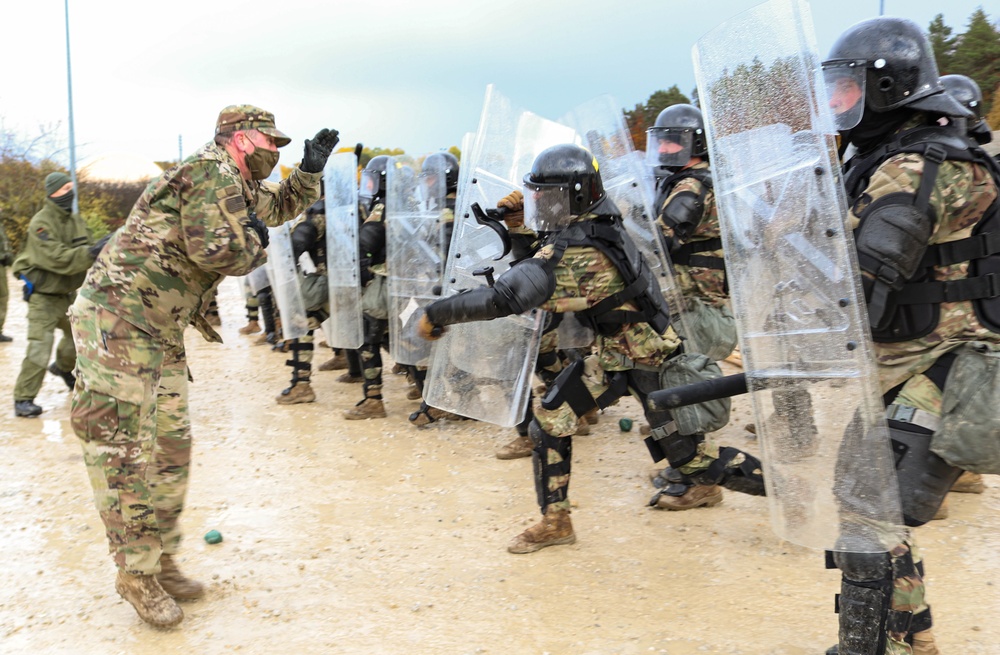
26, 408
67, 377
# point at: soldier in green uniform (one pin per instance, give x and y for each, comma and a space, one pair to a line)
6, 258
924, 205
677, 149
54, 261
587, 264
199, 221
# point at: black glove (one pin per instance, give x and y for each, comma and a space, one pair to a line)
6, 260
318, 149
96, 249
261, 229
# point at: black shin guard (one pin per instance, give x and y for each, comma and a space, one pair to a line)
544, 471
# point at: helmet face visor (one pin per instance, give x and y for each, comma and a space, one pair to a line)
845, 88
546, 207
370, 183
669, 146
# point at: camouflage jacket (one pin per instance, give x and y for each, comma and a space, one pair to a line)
962, 193
708, 284
190, 228
55, 256
4, 242
584, 277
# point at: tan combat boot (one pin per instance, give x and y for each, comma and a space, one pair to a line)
337, 363
150, 601
516, 449
413, 393
582, 427
347, 378
554, 529
175, 583
696, 496
367, 408
923, 643
253, 327
942, 511
426, 416
969, 483
300, 392
591, 416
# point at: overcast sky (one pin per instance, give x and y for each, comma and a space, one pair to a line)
391, 73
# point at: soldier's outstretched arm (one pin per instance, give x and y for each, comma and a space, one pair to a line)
51, 254
217, 228
277, 203
524, 286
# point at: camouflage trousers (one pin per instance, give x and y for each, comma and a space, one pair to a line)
46, 314
376, 334
130, 412
555, 450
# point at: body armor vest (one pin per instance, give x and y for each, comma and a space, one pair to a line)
608, 236
917, 303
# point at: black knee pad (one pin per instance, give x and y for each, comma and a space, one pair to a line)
924, 478
544, 471
665, 442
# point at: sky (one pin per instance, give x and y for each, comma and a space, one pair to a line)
405, 74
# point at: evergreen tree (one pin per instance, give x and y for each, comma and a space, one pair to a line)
943, 43
977, 54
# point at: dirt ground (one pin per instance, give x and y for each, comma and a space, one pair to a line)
377, 537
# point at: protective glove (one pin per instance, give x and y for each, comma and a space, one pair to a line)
6, 260
428, 331
318, 149
513, 204
96, 249
260, 228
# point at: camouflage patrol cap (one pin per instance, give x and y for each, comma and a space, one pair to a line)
247, 117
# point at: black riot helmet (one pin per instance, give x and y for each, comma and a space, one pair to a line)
373, 179
968, 94
445, 164
883, 64
676, 137
564, 183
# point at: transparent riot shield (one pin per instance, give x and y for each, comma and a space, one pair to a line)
414, 211
285, 283
601, 127
257, 280
483, 369
345, 328
794, 281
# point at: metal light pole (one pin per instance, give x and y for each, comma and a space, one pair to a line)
881, 7
72, 137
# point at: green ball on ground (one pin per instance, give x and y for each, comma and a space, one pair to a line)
625, 424
213, 536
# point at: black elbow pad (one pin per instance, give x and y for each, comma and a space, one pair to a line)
525, 286
893, 238
683, 214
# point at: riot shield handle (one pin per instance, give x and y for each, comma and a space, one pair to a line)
487, 272
493, 219
699, 392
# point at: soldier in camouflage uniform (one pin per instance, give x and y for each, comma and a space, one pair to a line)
203, 219
374, 301
689, 223
53, 263
924, 203
6, 258
588, 265
308, 236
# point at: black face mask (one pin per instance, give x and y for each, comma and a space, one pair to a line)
64, 202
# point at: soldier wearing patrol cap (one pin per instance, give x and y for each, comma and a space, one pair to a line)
201, 220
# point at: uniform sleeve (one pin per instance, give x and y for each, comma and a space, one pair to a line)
215, 224
277, 203
50, 254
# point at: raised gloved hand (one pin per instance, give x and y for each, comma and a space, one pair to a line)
428, 331
513, 203
260, 228
318, 149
